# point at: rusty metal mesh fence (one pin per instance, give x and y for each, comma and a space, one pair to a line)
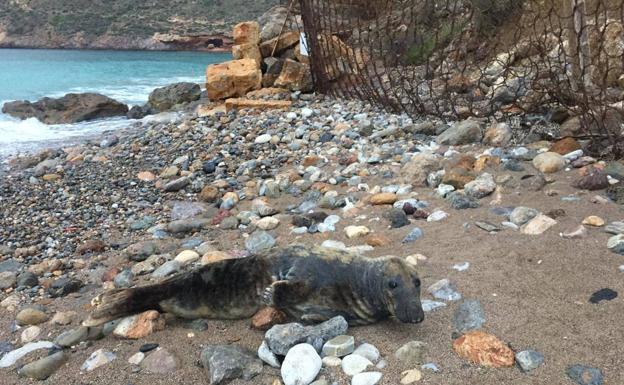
529, 62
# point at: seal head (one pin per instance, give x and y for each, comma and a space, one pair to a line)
402, 291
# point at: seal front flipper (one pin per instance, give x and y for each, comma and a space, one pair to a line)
283, 294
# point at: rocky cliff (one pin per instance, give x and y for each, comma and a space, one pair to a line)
123, 24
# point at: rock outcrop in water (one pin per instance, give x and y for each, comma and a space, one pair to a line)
164, 98
71, 108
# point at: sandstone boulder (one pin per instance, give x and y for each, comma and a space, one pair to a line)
295, 76
273, 71
279, 44
232, 78
164, 98
71, 108
247, 51
247, 32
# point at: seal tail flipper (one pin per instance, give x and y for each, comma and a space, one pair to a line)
123, 302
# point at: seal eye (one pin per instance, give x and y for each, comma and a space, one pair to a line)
393, 284
417, 282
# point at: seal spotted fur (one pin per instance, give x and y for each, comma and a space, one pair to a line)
308, 284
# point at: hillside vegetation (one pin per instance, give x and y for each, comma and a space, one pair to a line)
83, 22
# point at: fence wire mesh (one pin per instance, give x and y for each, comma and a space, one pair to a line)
532, 62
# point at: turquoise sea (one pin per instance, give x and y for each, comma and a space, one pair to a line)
128, 76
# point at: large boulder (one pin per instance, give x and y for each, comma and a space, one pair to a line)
465, 132
276, 20
295, 76
247, 51
247, 32
279, 44
71, 108
232, 78
162, 99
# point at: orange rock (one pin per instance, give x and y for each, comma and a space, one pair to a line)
295, 76
458, 177
279, 44
214, 256
247, 51
51, 177
377, 240
484, 349
565, 146
267, 317
247, 32
140, 325
232, 78
312, 160
485, 162
146, 176
383, 199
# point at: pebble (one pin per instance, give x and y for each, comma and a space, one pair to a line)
229, 362
594, 221
577, 233
616, 244
301, 365
140, 325
444, 290
412, 353
8, 280
529, 360
429, 306
549, 162
10, 358
538, 225
368, 378
487, 226
30, 334
383, 199
461, 266
354, 364
31, 316
484, 349
332, 361
166, 269
268, 223
603, 295
410, 376
415, 234
280, 338
460, 201
397, 218
259, 241
44, 367
186, 257
468, 316
72, 337
367, 351
124, 279
437, 216
481, 187
160, 361
615, 228
339, 346
356, 231
136, 358
263, 139
430, 366
97, 359
585, 375
521, 215
267, 356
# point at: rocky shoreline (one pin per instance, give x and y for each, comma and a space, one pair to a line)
487, 221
